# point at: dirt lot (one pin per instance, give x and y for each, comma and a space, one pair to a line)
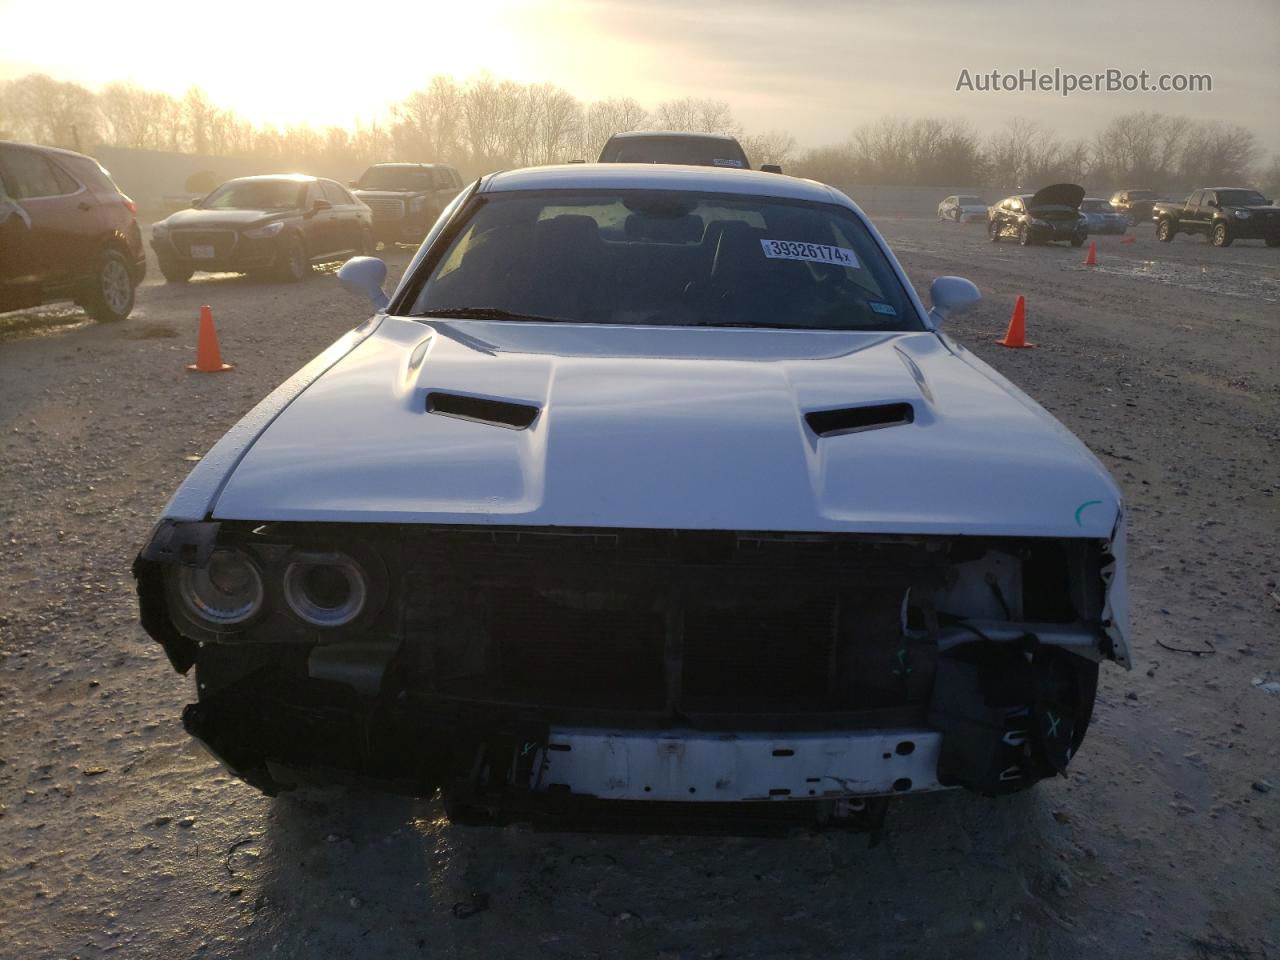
119, 835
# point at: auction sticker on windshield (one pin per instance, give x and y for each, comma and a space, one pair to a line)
813, 252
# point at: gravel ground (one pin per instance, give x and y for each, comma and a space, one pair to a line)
119, 835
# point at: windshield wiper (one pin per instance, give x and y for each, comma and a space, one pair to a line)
486, 313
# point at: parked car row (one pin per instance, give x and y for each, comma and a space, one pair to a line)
1063, 212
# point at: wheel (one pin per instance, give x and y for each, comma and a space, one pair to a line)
993, 231
1024, 236
958, 215
109, 294
1077, 241
291, 262
1165, 231
174, 272
367, 244
1273, 241
1221, 235
1133, 219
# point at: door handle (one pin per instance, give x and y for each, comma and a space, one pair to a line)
85, 206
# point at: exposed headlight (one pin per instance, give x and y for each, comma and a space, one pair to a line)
325, 589
1242, 214
261, 233
226, 591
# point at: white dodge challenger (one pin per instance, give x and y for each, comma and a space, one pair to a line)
651, 492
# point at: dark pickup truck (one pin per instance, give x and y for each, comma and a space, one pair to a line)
1224, 214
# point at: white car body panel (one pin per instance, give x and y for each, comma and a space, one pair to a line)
669, 428
659, 427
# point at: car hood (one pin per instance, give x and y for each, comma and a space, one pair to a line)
1058, 195
668, 428
220, 219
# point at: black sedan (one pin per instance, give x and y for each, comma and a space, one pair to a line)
276, 225
1051, 213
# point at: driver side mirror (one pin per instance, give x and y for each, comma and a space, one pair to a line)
364, 276
951, 295
319, 205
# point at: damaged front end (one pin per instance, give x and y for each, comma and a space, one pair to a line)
544, 673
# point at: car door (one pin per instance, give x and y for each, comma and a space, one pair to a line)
1207, 207
317, 221
345, 220
63, 224
1189, 219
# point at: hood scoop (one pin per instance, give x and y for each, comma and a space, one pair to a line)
835, 423
496, 413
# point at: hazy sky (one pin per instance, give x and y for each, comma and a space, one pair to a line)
814, 67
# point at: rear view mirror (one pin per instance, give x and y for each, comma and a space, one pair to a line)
770, 168
951, 295
364, 276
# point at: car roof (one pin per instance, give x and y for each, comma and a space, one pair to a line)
682, 134
43, 149
1250, 189
661, 176
293, 177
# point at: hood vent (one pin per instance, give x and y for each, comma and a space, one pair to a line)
497, 413
833, 423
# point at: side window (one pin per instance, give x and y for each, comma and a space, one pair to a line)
66, 182
334, 193
1195, 199
28, 174
1209, 196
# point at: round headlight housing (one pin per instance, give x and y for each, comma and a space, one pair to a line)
226, 591
325, 589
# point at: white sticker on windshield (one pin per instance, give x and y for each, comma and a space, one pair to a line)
813, 252
721, 162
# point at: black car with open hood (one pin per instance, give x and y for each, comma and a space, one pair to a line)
1051, 213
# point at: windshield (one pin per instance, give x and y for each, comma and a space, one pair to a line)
1142, 195
1241, 198
257, 195
668, 258
1097, 206
699, 151
395, 178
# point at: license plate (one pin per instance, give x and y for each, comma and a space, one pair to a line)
201, 252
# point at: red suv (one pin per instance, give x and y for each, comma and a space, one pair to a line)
66, 233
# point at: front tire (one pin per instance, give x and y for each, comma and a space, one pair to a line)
176, 272
993, 231
1024, 235
367, 244
1077, 241
292, 264
1165, 232
1221, 235
109, 295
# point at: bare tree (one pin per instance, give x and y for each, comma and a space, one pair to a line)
694, 115
43, 110
604, 118
772, 146
1218, 153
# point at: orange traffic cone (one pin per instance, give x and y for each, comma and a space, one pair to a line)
1129, 238
1092, 259
1016, 335
208, 356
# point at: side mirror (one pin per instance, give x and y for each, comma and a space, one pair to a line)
195, 202
770, 168
951, 295
319, 205
364, 276
1211, 203
353, 183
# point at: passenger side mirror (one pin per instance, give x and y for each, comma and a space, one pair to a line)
770, 168
195, 202
364, 276
951, 295
319, 205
